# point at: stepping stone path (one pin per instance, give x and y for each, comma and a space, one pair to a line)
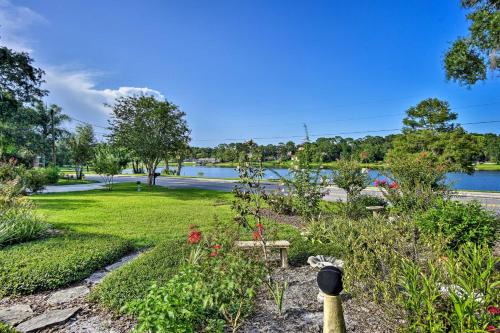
69, 299
68, 295
47, 319
15, 314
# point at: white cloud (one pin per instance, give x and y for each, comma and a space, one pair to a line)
14, 22
74, 90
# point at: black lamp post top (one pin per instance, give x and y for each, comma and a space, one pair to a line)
330, 280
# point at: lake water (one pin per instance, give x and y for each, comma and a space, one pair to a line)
480, 180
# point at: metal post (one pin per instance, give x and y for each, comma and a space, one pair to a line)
333, 315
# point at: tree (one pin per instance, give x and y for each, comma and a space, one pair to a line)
82, 144
430, 114
108, 162
49, 121
428, 128
18, 77
350, 177
468, 59
149, 128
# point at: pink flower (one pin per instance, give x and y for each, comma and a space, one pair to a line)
217, 246
213, 254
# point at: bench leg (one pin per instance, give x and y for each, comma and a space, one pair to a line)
284, 258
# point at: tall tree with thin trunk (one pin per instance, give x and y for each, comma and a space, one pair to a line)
49, 121
149, 128
82, 144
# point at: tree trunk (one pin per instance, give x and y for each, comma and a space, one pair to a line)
53, 137
167, 166
179, 166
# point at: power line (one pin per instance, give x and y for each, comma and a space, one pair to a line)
335, 134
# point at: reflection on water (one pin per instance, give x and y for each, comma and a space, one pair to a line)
480, 180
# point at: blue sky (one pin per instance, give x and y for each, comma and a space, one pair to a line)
251, 69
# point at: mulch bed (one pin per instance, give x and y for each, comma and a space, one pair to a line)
293, 220
302, 311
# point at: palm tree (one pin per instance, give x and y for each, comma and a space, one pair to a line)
49, 122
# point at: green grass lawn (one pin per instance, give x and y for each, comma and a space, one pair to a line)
100, 226
145, 217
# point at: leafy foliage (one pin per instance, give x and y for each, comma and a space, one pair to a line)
108, 162
430, 114
417, 182
452, 296
18, 220
459, 223
18, 77
201, 297
133, 280
148, 128
82, 144
56, 262
468, 59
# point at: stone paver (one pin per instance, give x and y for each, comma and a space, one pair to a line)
121, 262
15, 314
47, 319
96, 277
67, 295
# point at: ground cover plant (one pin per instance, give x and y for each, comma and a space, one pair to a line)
56, 261
18, 220
213, 287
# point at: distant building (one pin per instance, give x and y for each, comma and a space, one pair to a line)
207, 160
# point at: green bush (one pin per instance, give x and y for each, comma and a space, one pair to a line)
132, 281
202, 296
35, 180
452, 295
18, 220
56, 262
459, 222
52, 174
281, 203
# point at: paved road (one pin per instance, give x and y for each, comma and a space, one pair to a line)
489, 200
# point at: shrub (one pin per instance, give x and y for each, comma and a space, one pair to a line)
201, 297
456, 295
56, 262
52, 174
414, 183
132, 281
460, 222
350, 177
18, 220
35, 180
281, 203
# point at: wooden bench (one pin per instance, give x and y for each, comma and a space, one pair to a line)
282, 245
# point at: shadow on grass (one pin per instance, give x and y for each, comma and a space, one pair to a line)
130, 190
64, 204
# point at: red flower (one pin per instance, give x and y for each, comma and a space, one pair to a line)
494, 310
194, 237
394, 185
256, 235
260, 226
491, 329
217, 246
213, 254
